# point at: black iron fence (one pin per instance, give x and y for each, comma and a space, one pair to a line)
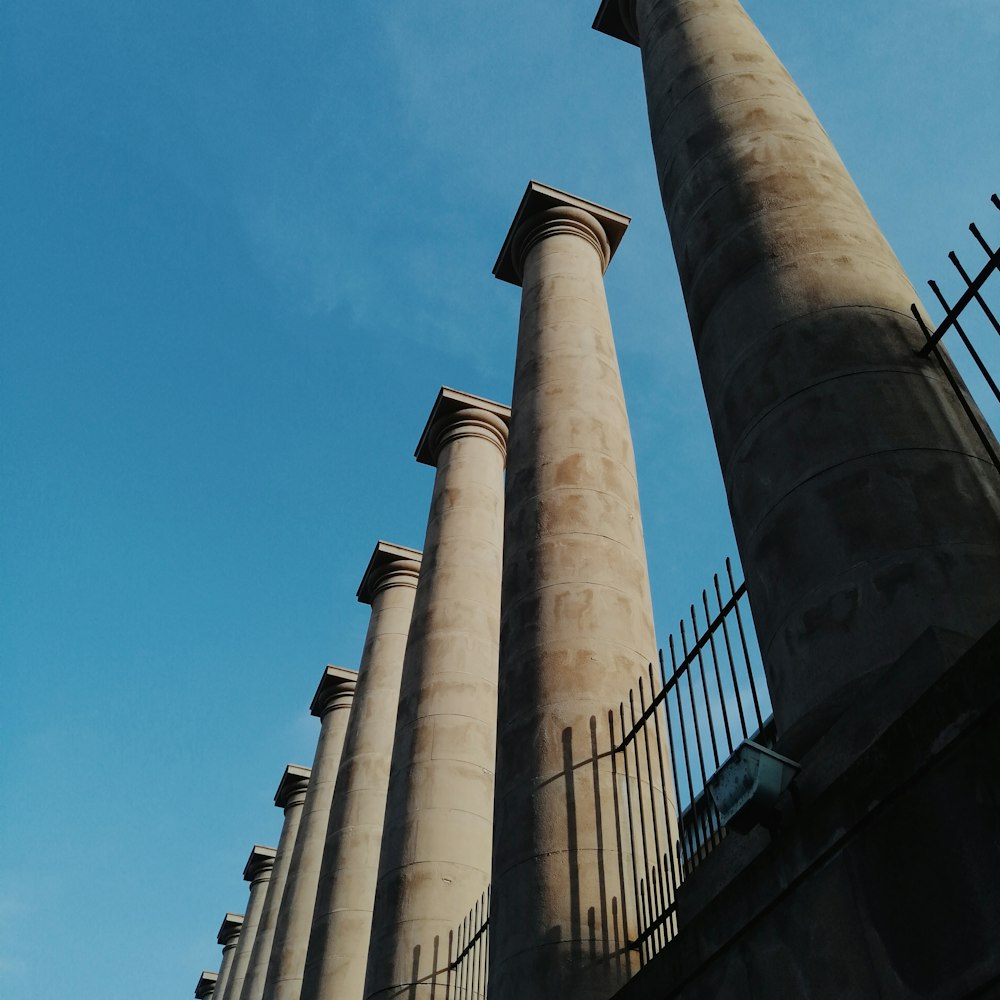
970, 325
678, 726
470, 945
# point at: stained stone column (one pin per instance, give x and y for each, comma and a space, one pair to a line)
864, 505
338, 943
290, 797
332, 704
258, 873
576, 628
436, 846
229, 936
207, 983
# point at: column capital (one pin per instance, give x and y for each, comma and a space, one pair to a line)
390, 565
232, 924
545, 211
336, 682
460, 414
261, 860
293, 782
206, 985
617, 19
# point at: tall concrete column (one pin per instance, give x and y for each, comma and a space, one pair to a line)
338, 942
437, 841
207, 983
290, 797
332, 704
577, 625
258, 873
229, 936
864, 505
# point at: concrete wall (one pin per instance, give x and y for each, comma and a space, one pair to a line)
883, 884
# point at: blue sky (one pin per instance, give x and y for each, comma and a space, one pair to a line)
243, 246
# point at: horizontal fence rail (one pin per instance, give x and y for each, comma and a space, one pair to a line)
678, 726
985, 356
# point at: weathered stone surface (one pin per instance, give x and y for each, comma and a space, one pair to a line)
863, 502
229, 935
576, 626
332, 703
257, 872
290, 797
436, 848
341, 925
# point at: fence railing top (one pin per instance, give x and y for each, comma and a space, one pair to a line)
973, 287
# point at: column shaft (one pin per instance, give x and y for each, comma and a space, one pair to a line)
436, 846
864, 505
338, 942
291, 936
576, 628
229, 935
291, 797
258, 874
225, 968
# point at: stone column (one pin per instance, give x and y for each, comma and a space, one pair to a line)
229, 936
576, 628
864, 505
436, 846
290, 797
205, 989
332, 704
258, 873
338, 943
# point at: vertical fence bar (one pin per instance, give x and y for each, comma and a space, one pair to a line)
691, 826
706, 813
729, 656
743, 642
674, 758
951, 319
622, 950
957, 389
486, 943
983, 370
668, 856
648, 902
983, 304
631, 837
463, 938
710, 626
475, 954
657, 867
449, 990
698, 823
704, 685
